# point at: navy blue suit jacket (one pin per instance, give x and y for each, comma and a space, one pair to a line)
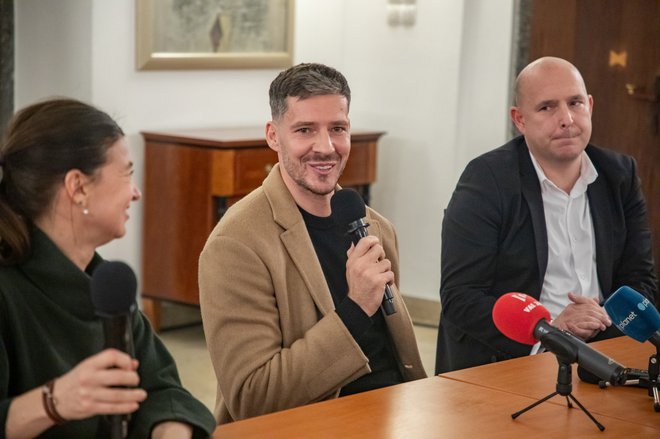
494, 241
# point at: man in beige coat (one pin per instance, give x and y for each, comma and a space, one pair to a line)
278, 334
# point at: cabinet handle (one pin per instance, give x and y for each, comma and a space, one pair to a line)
652, 96
640, 93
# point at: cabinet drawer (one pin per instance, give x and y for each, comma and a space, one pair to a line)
238, 172
252, 166
361, 166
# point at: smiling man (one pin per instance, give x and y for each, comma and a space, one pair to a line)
547, 214
290, 309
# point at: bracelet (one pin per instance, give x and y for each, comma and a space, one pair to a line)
49, 402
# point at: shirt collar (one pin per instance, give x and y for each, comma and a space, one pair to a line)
588, 174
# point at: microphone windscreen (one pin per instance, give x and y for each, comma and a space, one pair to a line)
516, 316
633, 314
113, 288
347, 206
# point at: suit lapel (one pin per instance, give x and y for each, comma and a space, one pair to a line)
602, 220
531, 191
296, 240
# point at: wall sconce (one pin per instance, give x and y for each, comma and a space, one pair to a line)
401, 12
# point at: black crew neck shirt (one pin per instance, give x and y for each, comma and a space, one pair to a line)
371, 334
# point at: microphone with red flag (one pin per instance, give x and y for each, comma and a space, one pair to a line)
525, 320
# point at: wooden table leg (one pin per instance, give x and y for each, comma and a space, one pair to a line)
152, 309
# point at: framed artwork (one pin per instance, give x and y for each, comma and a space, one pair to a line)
214, 34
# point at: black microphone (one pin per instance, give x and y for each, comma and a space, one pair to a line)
348, 209
570, 349
522, 318
113, 289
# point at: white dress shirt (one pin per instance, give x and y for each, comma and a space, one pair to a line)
571, 242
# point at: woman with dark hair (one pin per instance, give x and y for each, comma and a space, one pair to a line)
65, 189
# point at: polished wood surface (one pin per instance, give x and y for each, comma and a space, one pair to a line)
191, 178
435, 407
473, 402
536, 376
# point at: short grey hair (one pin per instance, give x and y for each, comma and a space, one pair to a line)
304, 81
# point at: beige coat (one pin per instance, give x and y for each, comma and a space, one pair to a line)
274, 338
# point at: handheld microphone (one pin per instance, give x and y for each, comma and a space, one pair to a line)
348, 209
634, 315
523, 319
113, 289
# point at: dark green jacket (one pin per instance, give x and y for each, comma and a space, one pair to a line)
47, 326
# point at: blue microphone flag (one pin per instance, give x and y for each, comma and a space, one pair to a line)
633, 314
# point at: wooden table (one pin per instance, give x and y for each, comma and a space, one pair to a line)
451, 407
536, 376
191, 179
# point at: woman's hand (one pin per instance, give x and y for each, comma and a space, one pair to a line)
104, 383
86, 390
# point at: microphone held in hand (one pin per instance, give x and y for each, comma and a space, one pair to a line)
523, 319
113, 290
634, 315
348, 209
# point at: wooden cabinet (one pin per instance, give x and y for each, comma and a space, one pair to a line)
191, 178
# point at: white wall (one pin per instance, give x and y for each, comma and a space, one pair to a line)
484, 97
438, 88
405, 81
53, 50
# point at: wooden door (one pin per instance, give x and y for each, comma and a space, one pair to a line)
616, 46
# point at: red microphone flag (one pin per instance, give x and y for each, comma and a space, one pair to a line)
516, 316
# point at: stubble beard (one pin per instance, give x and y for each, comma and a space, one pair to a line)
297, 174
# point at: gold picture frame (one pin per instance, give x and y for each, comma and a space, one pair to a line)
170, 34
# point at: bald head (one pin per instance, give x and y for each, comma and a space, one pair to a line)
553, 113
541, 69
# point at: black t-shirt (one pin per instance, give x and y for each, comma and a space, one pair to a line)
371, 334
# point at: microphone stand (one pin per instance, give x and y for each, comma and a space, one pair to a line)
654, 379
564, 387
